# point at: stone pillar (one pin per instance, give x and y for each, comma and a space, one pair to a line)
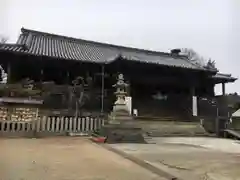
223, 89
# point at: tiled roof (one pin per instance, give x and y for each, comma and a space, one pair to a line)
62, 47
11, 47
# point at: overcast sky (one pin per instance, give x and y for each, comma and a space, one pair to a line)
210, 27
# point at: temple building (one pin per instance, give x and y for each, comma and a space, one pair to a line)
160, 84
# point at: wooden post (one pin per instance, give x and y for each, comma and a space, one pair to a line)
67, 78
223, 89
41, 75
217, 121
193, 91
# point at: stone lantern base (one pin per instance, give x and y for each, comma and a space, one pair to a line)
121, 127
122, 133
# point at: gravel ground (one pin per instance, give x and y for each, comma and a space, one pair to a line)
190, 158
65, 158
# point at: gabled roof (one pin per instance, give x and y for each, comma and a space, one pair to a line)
62, 47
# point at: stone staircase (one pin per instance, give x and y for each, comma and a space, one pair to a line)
168, 118
162, 118
171, 128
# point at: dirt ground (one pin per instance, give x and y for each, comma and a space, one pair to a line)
190, 158
65, 159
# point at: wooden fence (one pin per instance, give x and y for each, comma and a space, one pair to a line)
52, 124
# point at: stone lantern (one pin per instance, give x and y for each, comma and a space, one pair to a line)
120, 110
121, 127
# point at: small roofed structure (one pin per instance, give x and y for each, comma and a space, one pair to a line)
220, 78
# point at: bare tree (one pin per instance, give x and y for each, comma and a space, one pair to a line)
3, 39
78, 94
194, 57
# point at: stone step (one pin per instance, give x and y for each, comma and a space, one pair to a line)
163, 118
165, 128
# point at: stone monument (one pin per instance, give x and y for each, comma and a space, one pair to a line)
121, 127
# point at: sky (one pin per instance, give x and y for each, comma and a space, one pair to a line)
210, 27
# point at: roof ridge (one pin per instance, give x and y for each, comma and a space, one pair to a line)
24, 30
229, 75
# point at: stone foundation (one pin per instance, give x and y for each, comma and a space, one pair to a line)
122, 133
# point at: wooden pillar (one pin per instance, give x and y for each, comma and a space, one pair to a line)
102, 97
193, 92
41, 75
68, 78
210, 90
223, 89
9, 68
217, 121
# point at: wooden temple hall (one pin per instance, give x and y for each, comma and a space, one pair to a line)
64, 74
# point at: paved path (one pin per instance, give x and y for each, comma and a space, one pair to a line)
190, 158
217, 144
65, 159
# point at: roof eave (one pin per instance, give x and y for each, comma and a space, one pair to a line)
108, 61
120, 57
221, 80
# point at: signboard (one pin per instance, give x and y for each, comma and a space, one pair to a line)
194, 105
128, 101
